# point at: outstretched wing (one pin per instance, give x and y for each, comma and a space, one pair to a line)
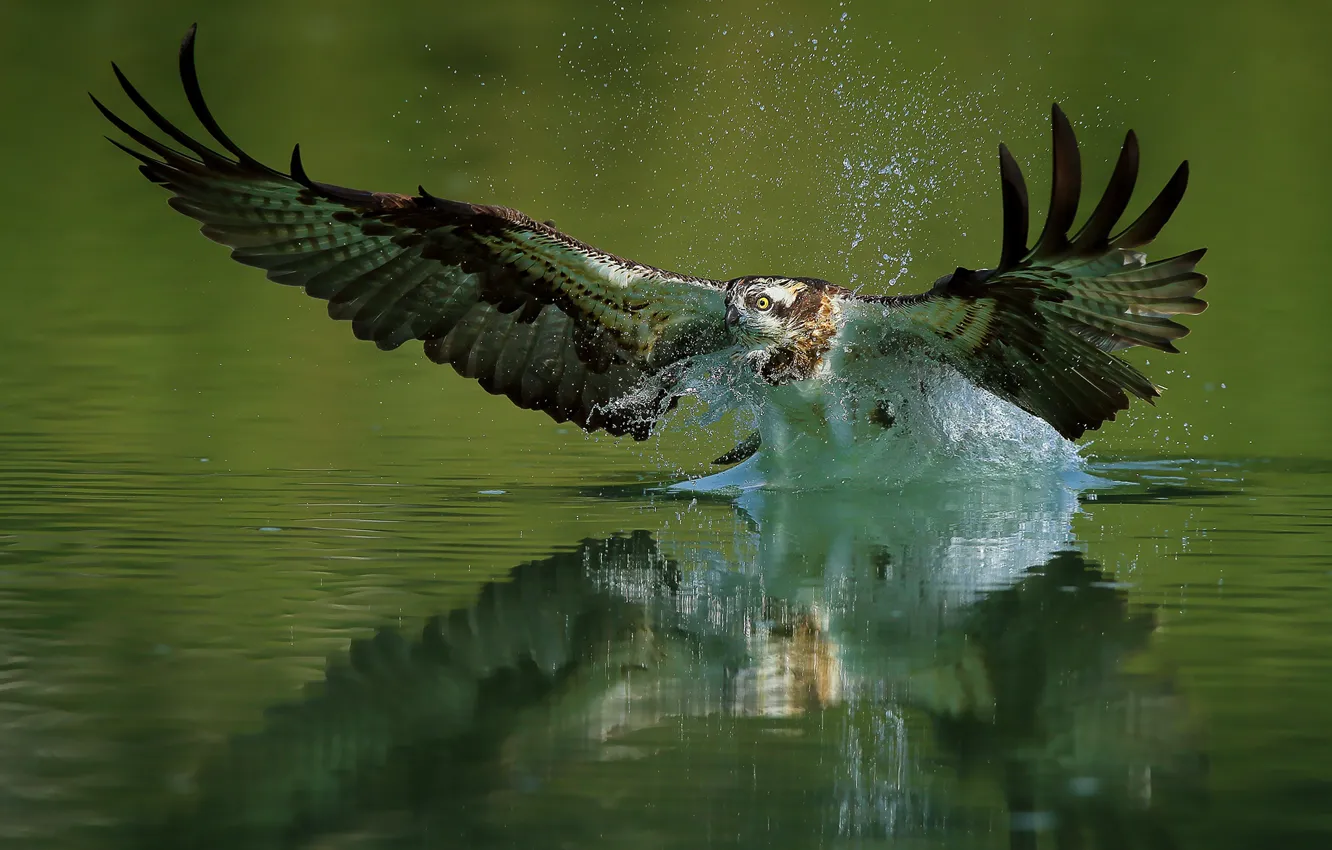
552, 323
1041, 328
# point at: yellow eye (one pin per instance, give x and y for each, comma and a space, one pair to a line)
763, 303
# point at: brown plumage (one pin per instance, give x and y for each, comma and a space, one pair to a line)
1040, 329
559, 326
801, 330
524, 309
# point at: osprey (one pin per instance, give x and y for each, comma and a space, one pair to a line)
611, 344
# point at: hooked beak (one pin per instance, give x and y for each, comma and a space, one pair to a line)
732, 315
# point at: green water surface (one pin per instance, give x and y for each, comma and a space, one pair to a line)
262, 586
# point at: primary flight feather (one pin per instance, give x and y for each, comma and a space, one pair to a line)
557, 325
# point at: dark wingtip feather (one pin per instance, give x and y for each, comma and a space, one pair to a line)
101, 107
189, 77
176, 158
182, 138
1094, 236
298, 170
1015, 210
147, 161
1065, 187
324, 190
1149, 224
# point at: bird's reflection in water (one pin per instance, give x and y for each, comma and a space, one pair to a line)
935, 668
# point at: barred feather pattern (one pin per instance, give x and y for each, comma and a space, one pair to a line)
527, 311
557, 325
1041, 329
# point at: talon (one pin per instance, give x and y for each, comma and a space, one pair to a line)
883, 414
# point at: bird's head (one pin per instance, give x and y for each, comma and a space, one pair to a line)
782, 321
770, 310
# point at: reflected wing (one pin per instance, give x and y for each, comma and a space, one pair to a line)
1040, 330
550, 322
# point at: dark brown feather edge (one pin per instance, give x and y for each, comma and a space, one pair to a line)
1016, 225
1091, 241
1065, 187
1094, 236
615, 421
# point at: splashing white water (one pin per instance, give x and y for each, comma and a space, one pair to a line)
925, 421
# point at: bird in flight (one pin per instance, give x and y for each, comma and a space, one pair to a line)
610, 344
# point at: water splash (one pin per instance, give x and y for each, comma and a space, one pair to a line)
925, 421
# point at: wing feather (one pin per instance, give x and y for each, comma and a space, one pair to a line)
1146, 226
1040, 330
512, 360
545, 361
1016, 223
1094, 236
527, 311
1065, 187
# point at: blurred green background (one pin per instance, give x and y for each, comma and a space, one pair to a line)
846, 141
206, 486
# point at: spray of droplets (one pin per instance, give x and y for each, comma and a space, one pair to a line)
750, 142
